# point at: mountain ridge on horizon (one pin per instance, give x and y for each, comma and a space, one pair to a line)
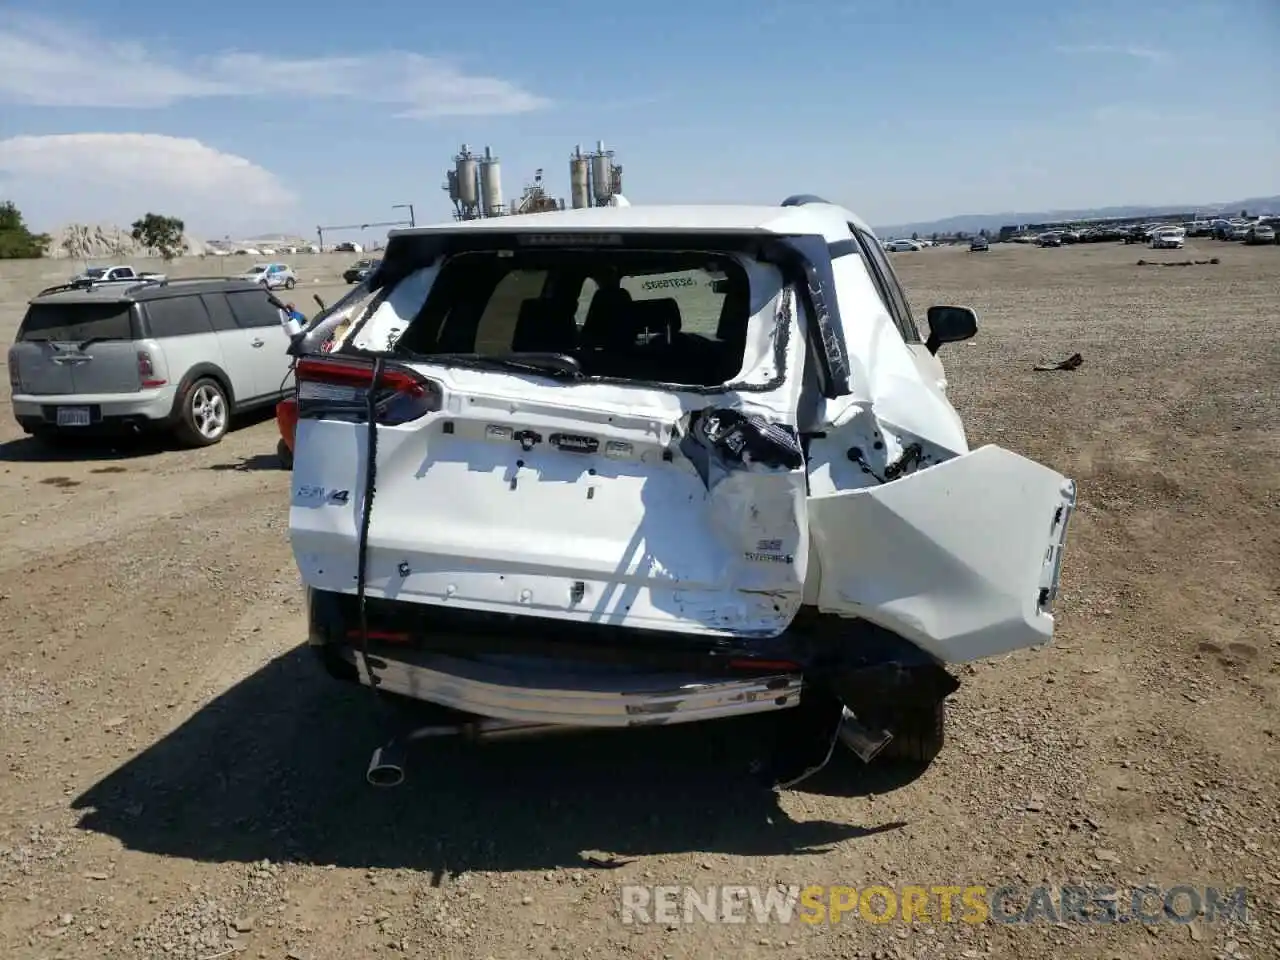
992, 222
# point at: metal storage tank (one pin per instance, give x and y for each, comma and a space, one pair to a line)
579, 180
602, 173
490, 184
466, 166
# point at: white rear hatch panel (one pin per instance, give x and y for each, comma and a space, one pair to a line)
652, 529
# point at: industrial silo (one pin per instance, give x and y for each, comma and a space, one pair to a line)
602, 174
466, 167
579, 180
490, 185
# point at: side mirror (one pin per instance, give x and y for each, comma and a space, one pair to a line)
950, 325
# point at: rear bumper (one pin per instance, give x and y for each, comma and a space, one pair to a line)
107, 412
567, 698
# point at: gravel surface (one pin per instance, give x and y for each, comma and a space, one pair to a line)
182, 782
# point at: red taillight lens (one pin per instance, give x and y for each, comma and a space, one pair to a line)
338, 389
147, 371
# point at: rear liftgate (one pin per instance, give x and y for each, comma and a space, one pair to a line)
600, 504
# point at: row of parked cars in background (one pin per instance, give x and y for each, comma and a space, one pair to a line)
1157, 235
1259, 231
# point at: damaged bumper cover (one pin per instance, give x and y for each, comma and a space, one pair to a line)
515, 701
577, 699
859, 705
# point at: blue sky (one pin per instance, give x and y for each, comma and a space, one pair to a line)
243, 116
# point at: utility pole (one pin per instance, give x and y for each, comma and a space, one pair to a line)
405, 206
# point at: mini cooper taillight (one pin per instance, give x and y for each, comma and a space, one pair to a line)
333, 388
147, 372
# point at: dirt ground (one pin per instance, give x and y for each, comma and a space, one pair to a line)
181, 781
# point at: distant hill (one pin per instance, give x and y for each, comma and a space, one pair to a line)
992, 222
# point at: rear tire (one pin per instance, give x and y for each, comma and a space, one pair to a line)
285, 455
204, 415
290, 283
919, 738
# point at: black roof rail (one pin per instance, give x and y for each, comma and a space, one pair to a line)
136, 283
127, 282
209, 279
800, 199
170, 281
129, 285
60, 287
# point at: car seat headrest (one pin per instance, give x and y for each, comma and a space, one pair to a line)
655, 320
542, 328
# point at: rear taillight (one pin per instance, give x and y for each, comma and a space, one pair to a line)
331, 388
15, 379
147, 372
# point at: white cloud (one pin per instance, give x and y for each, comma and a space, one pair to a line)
116, 177
45, 64
1134, 51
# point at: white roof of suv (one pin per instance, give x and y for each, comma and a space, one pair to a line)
829, 220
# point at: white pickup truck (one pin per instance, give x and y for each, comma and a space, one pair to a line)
113, 275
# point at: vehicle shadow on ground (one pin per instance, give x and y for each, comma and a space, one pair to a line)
275, 768
71, 449
259, 461
81, 449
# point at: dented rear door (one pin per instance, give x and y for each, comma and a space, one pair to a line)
601, 502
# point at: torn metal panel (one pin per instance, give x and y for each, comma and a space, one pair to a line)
748, 439
719, 441
888, 377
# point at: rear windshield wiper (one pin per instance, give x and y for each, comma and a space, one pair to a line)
91, 341
559, 365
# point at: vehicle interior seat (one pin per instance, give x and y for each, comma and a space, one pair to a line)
606, 324
653, 349
543, 326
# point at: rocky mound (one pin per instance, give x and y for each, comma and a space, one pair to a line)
81, 241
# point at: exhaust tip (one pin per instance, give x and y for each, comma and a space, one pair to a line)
386, 767
866, 744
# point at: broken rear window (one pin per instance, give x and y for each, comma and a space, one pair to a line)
664, 317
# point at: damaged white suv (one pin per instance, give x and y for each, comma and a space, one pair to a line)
619, 467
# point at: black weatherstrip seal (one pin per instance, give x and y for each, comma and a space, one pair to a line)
814, 260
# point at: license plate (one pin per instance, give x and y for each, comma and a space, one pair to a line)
73, 416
